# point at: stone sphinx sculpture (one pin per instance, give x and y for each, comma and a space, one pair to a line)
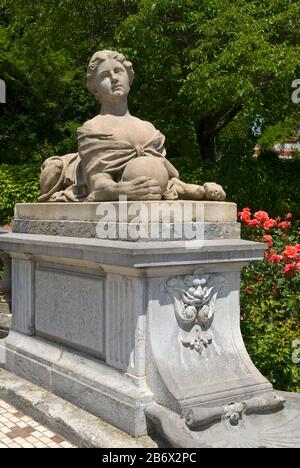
142, 334
118, 154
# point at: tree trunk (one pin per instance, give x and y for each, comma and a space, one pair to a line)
206, 138
208, 128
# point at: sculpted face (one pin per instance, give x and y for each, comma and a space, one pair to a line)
112, 81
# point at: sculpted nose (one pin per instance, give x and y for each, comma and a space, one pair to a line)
114, 78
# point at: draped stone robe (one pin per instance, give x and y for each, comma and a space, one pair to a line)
102, 153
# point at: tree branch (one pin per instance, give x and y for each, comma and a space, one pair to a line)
228, 116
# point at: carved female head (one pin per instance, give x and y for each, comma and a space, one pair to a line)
109, 74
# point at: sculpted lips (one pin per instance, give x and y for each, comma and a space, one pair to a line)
117, 87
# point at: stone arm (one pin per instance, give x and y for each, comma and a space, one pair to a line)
106, 189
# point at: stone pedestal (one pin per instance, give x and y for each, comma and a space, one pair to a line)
142, 332
130, 221
5, 292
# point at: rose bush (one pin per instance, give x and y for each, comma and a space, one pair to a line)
281, 236
270, 297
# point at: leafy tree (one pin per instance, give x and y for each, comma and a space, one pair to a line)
205, 62
205, 69
45, 47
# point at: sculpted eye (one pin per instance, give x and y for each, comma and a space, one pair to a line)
103, 74
119, 70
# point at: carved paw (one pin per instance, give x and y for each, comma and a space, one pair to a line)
198, 193
214, 192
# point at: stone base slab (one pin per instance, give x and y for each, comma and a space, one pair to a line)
280, 430
130, 221
87, 383
212, 211
71, 422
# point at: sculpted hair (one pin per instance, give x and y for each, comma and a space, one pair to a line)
100, 57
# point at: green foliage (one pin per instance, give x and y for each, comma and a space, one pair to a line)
201, 66
205, 70
270, 310
45, 72
270, 307
280, 132
270, 184
18, 184
206, 62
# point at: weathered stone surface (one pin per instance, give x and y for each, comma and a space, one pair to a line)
210, 212
132, 221
157, 337
138, 255
129, 232
274, 429
4, 308
130, 274
69, 307
82, 428
23, 303
85, 382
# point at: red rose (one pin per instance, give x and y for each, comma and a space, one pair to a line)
245, 214
244, 217
275, 258
261, 216
289, 215
267, 255
269, 244
252, 223
290, 269
290, 252
284, 224
269, 224
268, 240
